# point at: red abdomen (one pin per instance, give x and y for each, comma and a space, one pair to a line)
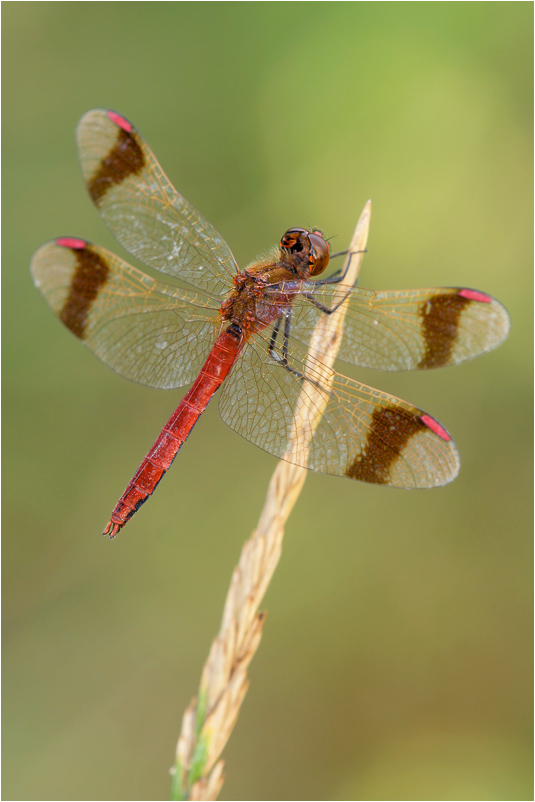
174, 433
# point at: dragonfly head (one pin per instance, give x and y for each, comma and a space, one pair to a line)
307, 249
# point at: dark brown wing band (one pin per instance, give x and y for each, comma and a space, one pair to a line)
124, 159
90, 275
392, 427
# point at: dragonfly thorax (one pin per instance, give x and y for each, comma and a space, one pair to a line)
251, 305
255, 301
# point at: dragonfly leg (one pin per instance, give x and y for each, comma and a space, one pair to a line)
326, 309
271, 346
283, 360
336, 278
339, 276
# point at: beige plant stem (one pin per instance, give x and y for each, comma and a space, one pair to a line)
208, 721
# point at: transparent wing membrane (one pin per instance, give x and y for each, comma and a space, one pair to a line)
142, 208
146, 331
406, 329
362, 434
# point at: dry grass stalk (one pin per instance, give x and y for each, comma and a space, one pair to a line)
209, 719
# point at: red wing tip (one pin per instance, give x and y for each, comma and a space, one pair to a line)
435, 427
475, 295
122, 122
111, 530
71, 242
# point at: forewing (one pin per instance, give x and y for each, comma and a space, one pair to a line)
407, 329
362, 433
143, 209
145, 330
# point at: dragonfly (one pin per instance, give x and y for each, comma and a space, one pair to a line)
246, 331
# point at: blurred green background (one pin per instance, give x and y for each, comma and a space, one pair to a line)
396, 659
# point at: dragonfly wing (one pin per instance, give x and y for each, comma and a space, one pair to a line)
407, 329
146, 331
143, 209
362, 433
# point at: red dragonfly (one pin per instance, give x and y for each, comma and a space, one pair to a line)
248, 329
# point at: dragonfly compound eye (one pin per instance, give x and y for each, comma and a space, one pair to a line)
293, 239
319, 253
